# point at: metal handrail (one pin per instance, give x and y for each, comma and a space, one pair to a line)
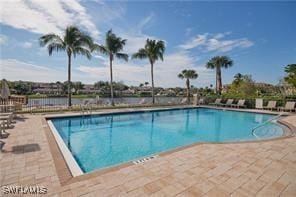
264, 123
85, 109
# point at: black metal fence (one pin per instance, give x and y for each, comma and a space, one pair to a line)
49, 104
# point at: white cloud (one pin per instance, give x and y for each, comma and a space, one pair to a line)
46, 16
216, 42
13, 69
26, 45
147, 21
165, 73
3, 39
100, 57
135, 42
194, 42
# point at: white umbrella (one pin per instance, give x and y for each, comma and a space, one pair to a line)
5, 92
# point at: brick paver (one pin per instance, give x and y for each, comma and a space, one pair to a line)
239, 169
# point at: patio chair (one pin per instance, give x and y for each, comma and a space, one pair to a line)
217, 102
201, 101
270, 105
290, 106
240, 103
184, 101
259, 104
229, 102
143, 101
6, 119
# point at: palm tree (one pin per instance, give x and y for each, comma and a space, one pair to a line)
153, 50
217, 63
238, 78
188, 74
58, 83
113, 46
74, 42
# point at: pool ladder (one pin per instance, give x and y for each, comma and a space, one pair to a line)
264, 123
85, 109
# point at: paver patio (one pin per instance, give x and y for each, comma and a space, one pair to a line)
238, 169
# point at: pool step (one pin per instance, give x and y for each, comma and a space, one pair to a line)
143, 160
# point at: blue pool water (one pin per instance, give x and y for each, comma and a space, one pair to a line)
100, 141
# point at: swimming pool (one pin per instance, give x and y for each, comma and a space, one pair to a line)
100, 141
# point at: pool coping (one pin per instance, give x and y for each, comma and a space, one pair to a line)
66, 176
70, 160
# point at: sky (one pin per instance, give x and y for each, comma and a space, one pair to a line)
260, 38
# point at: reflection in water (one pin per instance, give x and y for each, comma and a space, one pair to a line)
258, 118
218, 118
187, 121
69, 134
110, 133
151, 130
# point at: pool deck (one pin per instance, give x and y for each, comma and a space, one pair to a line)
266, 168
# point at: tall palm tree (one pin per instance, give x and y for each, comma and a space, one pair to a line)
188, 74
217, 63
113, 46
153, 51
73, 42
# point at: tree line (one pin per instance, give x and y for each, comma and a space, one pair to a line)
76, 42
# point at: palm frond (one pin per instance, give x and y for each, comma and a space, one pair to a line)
55, 47
219, 61
101, 49
122, 56
141, 54
211, 64
113, 43
82, 51
181, 76
50, 38
188, 74
226, 61
160, 46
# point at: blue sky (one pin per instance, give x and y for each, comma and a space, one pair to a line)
260, 37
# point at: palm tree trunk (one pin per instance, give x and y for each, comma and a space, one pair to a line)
188, 89
216, 88
152, 83
69, 80
219, 80
111, 81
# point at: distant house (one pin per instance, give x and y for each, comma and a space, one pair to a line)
89, 89
167, 92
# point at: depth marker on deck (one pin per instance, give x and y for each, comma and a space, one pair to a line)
143, 160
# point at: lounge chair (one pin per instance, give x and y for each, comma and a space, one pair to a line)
217, 102
201, 101
270, 105
290, 106
259, 104
229, 102
184, 101
240, 103
142, 102
6, 119
4, 123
